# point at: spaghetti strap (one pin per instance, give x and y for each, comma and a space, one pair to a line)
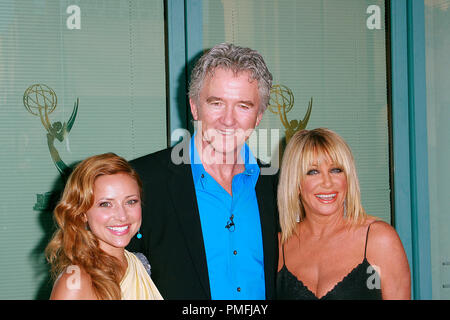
282, 250
353, 286
367, 236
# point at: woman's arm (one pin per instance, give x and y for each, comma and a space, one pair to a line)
385, 252
73, 284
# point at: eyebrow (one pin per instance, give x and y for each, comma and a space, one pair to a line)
213, 98
129, 196
247, 102
331, 164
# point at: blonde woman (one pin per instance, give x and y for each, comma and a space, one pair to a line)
98, 214
329, 247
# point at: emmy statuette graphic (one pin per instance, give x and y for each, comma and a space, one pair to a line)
281, 102
40, 100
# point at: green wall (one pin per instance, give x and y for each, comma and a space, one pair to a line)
116, 57
437, 40
333, 51
108, 54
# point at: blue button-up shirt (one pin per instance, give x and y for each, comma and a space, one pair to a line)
234, 255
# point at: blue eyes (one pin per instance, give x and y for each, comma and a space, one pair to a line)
133, 201
218, 104
104, 204
107, 204
315, 171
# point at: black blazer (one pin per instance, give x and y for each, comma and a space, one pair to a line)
171, 231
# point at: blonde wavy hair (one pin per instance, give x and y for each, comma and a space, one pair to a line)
303, 149
73, 243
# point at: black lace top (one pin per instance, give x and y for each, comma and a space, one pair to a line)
362, 283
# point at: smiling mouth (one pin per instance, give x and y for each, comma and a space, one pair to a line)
119, 230
227, 132
326, 198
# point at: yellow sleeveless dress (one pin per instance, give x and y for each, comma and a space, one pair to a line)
136, 283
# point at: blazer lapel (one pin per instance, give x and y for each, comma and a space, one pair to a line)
264, 194
185, 204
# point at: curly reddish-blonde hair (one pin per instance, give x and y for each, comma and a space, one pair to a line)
73, 243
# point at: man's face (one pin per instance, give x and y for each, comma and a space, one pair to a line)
228, 109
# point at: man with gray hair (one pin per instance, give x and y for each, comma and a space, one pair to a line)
209, 226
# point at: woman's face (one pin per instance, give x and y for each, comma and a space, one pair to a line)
115, 216
324, 188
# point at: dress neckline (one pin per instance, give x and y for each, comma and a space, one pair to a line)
300, 282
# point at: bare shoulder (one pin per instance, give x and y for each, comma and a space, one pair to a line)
385, 251
382, 235
384, 245
73, 284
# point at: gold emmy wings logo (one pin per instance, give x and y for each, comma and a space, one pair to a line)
281, 102
40, 100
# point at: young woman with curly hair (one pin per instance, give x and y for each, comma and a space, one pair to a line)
98, 214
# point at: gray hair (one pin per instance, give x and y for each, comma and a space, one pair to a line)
237, 59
